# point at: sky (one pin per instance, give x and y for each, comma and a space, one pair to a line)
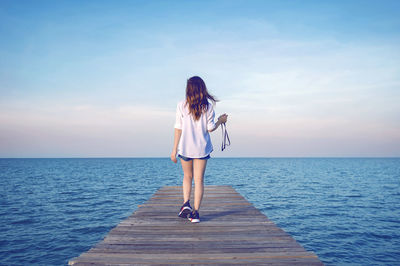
296, 78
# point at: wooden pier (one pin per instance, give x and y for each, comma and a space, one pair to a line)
231, 231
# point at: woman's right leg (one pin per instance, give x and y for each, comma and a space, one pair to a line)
199, 166
187, 167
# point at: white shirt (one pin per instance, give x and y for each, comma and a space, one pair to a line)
195, 141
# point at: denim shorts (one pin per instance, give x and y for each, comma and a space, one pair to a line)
187, 159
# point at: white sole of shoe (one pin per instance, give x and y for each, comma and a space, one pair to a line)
194, 220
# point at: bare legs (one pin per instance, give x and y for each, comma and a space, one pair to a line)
193, 168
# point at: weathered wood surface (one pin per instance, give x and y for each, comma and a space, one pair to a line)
231, 231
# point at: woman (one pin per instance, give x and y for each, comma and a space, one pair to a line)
192, 143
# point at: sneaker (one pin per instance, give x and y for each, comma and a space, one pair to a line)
194, 217
185, 210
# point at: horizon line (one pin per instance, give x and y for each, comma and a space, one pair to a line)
232, 157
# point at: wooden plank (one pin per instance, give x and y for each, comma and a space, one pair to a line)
231, 231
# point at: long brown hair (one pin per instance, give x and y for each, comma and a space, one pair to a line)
197, 96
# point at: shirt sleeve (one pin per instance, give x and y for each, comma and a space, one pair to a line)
210, 117
178, 118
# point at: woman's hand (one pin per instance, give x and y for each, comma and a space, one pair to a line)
173, 156
177, 137
223, 118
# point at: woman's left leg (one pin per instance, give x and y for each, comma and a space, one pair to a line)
187, 167
199, 167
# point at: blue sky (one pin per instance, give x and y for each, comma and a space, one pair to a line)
102, 78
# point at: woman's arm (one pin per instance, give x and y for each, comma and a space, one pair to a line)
177, 137
222, 119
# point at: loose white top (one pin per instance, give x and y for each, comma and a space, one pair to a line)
195, 141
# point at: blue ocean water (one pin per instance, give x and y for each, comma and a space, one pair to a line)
346, 210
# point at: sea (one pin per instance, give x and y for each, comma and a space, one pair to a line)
346, 210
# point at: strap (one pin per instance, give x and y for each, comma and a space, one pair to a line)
225, 137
